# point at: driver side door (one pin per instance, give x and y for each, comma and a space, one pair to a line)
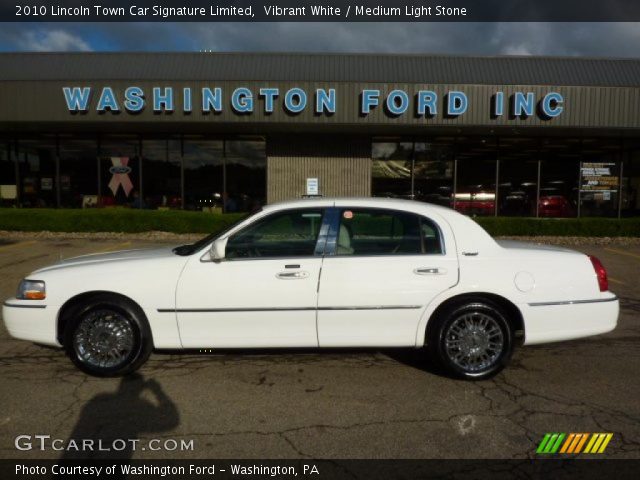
263, 293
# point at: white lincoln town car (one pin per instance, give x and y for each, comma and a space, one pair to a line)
320, 273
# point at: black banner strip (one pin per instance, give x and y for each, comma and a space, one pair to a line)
198, 469
321, 11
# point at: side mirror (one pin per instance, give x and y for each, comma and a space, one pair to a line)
217, 249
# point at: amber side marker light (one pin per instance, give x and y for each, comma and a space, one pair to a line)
601, 273
34, 295
31, 290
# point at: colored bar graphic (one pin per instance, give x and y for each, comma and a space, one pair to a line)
592, 440
573, 443
556, 445
568, 442
596, 445
550, 443
606, 441
598, 442
543, 443
582, 442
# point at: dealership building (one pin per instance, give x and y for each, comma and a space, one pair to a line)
506, 136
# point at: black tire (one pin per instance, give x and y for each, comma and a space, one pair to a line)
457, 349
126, 333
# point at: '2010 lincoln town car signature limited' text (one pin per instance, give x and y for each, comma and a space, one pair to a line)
320, 273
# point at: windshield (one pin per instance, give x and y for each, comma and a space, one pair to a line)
190, 248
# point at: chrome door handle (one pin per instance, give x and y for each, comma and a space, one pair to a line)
292, 275
430, 271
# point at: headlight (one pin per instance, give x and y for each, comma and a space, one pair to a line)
31, 290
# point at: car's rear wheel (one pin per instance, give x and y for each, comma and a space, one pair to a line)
471, 340
108, 337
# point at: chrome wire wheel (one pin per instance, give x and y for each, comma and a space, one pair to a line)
104, 339
474, 342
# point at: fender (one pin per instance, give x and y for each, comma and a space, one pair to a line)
455, 291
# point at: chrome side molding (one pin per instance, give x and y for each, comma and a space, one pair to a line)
573, 302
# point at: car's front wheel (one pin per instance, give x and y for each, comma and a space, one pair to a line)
108, 337
471, 340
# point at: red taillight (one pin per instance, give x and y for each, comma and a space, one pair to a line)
601, 273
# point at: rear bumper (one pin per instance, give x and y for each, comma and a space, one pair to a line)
28, 321
556, 321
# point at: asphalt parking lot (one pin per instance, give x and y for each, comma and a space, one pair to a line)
346, 404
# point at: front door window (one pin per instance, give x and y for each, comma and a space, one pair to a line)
292, 233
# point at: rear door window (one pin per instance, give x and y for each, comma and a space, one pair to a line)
386, 232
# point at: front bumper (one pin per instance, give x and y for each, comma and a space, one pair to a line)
31, 320
557, 321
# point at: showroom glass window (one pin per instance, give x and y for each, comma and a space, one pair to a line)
476, 175
78, 172
560, 169
37, 170
600, 177
245, 175
292, 233
630, 201
391, 168
161, 173
386, 232
203, 161
518, 176
8, 183
433, 170
120, 172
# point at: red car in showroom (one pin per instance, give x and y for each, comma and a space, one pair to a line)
552, 203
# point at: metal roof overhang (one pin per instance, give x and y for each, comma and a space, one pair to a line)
24, 129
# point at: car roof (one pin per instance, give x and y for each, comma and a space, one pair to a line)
372, 202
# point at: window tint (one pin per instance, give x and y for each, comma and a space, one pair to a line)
386, 232
286, 234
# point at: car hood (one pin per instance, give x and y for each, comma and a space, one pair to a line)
111, 257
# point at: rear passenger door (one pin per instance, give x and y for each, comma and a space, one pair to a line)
382, 269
